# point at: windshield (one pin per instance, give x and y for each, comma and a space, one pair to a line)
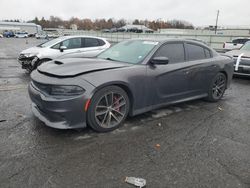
49, 43
246, 46
133, 51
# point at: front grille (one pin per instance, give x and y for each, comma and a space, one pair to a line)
243, 70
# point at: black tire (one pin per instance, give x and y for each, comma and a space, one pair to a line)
217, 87
108, 109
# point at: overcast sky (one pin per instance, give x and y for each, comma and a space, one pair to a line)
198, 12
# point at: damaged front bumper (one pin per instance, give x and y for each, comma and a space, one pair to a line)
27, 62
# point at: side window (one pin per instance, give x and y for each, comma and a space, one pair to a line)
72, 43
173, 51
91, 42
235, 41
101, 42
195, 52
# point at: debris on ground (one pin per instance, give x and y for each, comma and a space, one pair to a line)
221, 109
157, 146
3, 120
20, 115
139, 182
159, 124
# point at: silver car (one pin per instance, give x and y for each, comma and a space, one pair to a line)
241, 60
62, 47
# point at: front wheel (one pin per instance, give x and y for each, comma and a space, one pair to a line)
108, 109
217, 87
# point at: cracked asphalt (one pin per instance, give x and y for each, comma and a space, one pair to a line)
201, 144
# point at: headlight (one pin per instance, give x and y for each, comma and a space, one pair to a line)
57, 90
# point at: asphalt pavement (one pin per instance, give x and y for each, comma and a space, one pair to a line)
195, 144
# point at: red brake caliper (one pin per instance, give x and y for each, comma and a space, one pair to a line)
116, 104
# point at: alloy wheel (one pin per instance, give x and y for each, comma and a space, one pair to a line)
219, 86
110, 110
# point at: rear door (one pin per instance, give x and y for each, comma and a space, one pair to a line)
92, 47
201, 68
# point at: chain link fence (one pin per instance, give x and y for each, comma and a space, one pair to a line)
215, 41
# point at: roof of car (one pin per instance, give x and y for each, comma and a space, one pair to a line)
162, 40
75, 36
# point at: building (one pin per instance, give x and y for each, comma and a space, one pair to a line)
136, 29
208, 31
30, 28
73, 27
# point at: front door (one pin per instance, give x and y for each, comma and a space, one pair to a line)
168, 82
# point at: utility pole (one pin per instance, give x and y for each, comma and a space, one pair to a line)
160, 20
216, 25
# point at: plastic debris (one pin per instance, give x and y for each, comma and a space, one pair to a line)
139, 182
221, 109
159, 124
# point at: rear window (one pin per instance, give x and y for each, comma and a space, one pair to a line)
101, 42
195, 52
207, 53
91, 42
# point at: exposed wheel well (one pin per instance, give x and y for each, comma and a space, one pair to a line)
45, 59
40, 61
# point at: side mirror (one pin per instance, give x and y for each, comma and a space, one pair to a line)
62, 48
160, 60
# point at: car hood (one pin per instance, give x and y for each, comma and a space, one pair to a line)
238, 52
33, 50
77, 66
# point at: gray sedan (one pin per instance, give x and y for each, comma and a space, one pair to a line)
130, 78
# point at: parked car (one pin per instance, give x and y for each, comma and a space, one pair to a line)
131, 77
42, 36
62, 47
21, 35
235, 44
31, 34
241, 60
1, 36
8, 34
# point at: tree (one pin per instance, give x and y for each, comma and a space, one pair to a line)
136, 22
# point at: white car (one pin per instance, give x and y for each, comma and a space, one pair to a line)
21, 35
235, 44
41, 36
62, 47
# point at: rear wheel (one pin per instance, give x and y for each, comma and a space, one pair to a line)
108, 109
217, 87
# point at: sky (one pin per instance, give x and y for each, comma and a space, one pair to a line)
197, 12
